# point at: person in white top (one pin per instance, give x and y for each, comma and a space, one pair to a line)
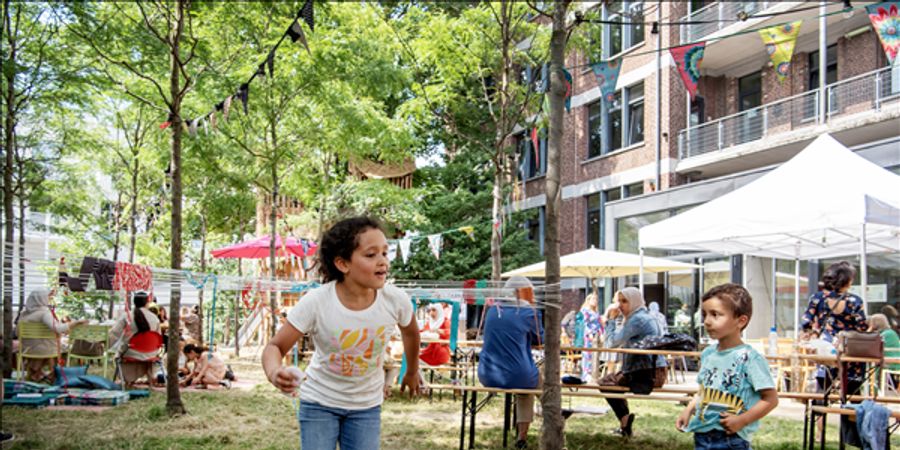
350, 318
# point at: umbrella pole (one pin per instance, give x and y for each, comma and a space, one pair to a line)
863, 270
774, 293
796, 297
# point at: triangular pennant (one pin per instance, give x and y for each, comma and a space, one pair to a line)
567, 80
212, 118
885, 18
434, 242
687, 59
536, 146
270, 61
405, 249
243, 94
226, 107
296, 32
261, 70
165, 125
779, 41
607, 73
469, 230
206, 126
192, 127
392, 251
308, 15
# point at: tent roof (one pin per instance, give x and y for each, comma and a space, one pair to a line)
812, 206
594, 263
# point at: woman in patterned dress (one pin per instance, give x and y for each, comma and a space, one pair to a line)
590, 312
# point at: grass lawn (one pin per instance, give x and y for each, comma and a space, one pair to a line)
262, 418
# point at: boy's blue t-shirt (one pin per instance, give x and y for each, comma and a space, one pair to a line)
729, 380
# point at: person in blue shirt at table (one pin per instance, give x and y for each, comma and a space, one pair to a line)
627, 324
510, 329
736, 388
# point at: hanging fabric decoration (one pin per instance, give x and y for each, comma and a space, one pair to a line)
607, 73
192, 127
226, 107
212, 118
165, 125
469, 230
885, 20
392, 251
405, 249
296, 32
780, 42
567, 81
308, 15
270, 62
261, 70
206, 126
434, 242
243, 94
687, 59
536, 147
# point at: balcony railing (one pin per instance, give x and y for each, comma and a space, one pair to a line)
718, 15
866, 92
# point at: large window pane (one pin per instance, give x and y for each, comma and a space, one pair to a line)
627, 232
636, 114
784, 295
637, 31
595, 130
615, 123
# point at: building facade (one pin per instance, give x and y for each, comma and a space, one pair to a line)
654, 152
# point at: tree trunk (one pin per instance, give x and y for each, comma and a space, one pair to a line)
552, 436
497, 214
237, 305
272, 233
21, 240
9, 148
112, 298
202, 270
134, 212
174, 405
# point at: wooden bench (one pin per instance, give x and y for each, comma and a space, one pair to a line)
825, 410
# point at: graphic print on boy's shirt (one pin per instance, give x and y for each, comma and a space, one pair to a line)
355, 352
730, 382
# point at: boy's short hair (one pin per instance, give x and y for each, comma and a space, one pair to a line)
735, 296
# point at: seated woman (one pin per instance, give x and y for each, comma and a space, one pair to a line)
209, 369
436, 327
37, 309
136, 363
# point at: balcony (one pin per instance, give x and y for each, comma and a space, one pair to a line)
719, 15
870, 100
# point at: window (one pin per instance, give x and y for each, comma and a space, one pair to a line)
532, 163
698, 111
613, 194
535, 228
621, 124
622, 37
831, 67
594, 216
750, 91
536, 77
635, 189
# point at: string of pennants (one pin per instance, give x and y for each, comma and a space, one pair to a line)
779, 41
403, 246
210, 119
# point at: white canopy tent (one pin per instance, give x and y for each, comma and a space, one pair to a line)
825, 202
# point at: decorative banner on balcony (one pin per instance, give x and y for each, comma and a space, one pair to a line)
780, 42
434, 242
687, 59
567, 81
885, 18
607, 73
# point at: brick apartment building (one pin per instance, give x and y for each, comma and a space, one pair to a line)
654, 153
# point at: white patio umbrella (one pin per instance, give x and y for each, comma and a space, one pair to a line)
595, 263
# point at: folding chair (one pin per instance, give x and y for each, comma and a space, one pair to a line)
34, 330
92, 334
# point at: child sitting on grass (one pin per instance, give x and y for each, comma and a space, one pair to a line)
736, 388
209, 369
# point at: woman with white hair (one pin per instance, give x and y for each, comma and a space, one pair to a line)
626, 325
37, 309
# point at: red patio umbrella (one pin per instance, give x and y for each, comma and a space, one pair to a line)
259, 248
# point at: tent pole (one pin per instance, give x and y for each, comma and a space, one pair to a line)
863, 270
797, 296
641, 271
774, 292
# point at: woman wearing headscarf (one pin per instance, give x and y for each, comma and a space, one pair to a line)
142, 320
627, 325
37, 309
436, 326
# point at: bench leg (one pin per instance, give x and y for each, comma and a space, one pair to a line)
507, 401
462, 425
472, 420
822, 433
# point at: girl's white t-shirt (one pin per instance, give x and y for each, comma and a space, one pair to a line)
346, 368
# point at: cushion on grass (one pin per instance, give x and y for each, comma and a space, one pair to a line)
92, 397
76, 382
12, 387
138, 393
68, 373
98, 382
33, 400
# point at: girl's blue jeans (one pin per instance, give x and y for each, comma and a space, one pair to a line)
323, 427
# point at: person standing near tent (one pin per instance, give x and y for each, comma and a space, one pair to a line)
834, 309
511, 328
660, 317
37, 309
350, 318
590, 313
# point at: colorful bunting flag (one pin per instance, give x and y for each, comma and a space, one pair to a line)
607, 73
212, 118
470, 232
165, 125
536, 147
392, 251
885, 20
270, 61
192, 127
307, 13
434, 242
780, 42
567, 80
226, 107
243, 94
687, 59
405, 249
296, 32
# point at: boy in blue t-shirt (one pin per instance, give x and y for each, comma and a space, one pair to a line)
736, 388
